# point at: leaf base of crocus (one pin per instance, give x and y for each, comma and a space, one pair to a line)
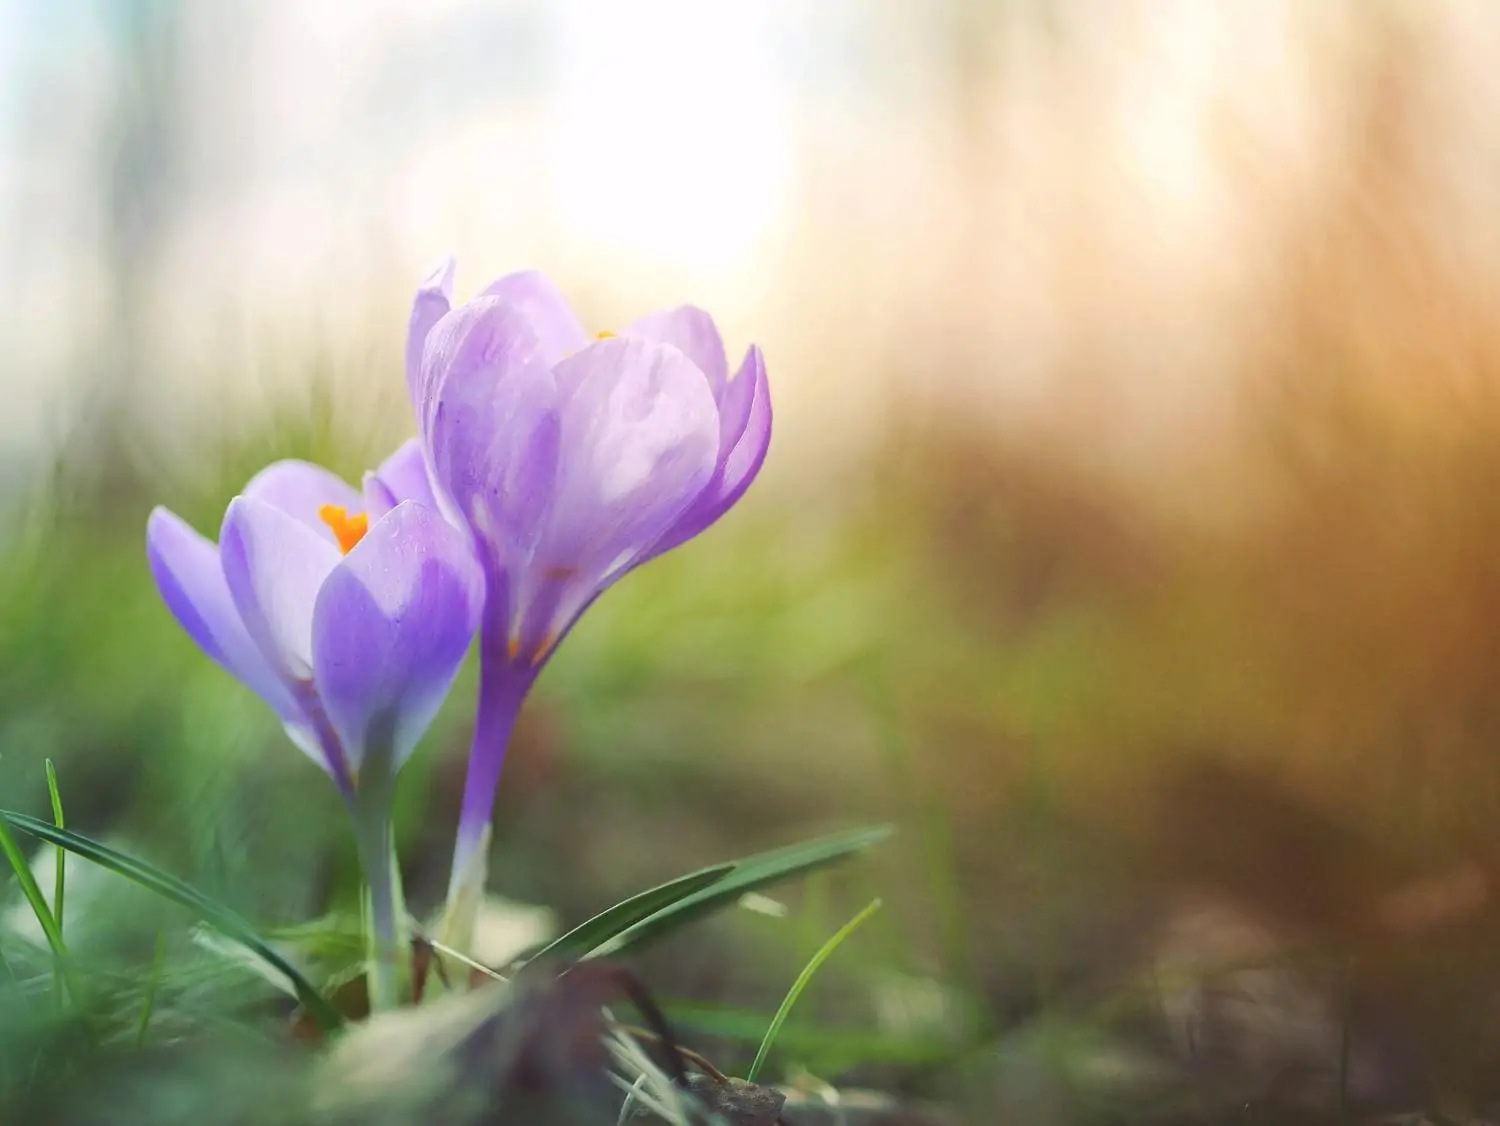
465, 894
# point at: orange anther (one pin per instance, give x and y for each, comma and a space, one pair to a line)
348, 530
543, 649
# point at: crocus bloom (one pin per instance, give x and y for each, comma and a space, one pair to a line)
571, 460
349, 615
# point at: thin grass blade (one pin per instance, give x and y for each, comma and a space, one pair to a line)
60, 883
812, 967
60, 873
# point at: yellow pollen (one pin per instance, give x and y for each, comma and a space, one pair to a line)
603, 335
348, 530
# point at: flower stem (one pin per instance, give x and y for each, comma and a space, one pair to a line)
386, 936
389, 971
503, 684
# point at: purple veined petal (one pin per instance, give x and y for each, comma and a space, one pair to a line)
402, 476
274, 566
492, 429
380, 498
744, 438
392, 625
471, 351
748, 452
691, 331
556, 326
301, 489
433, 301
639, 440
186, 568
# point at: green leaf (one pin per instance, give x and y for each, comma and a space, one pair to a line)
747, 875
220, 917
817, 960
60, 877
33, 893
588, 936
60, 884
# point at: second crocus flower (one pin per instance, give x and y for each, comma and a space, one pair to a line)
571, 460
349, 615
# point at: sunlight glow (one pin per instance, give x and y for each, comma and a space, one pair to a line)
670, 137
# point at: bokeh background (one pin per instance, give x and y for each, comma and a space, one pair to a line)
1130, 536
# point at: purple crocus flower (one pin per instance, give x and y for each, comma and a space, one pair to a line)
349, 615
572, 460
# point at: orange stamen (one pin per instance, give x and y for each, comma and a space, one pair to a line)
543, 649
348, 530
513, 647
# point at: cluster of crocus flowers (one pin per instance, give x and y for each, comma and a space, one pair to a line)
548, 463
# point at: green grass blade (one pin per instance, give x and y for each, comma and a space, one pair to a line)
60, 872
33, 893
812, 967
152, 982
221, 918
60, 883
747, 875
594, 932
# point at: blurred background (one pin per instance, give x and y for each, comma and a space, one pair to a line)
1130, 536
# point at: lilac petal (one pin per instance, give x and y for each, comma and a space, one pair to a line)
380, 498
639, 439
274, 565
301, 489
744, 438
186, 568
472, 350
402, 476
391, 627
691, 331
492, 427
547, 311
434, 299
745, 431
